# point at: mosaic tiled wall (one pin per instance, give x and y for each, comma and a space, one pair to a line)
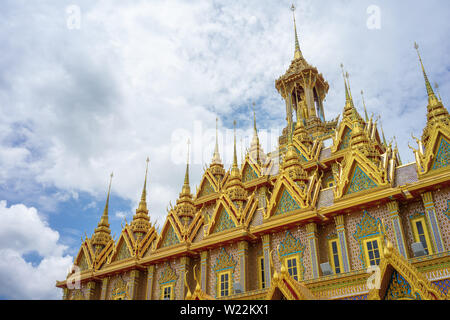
113, 280
214, 253
406, 210
325, 231
254, 251
176, 266
352, 219
441, 198
298, 233
444, 285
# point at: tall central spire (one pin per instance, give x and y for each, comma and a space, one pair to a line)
431, 95
216, 156
141, 220
186, 187
105, 211
298, 52
143, 203
102, 233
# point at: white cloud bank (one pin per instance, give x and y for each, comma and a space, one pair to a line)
22, 232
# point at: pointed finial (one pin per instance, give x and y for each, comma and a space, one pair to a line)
431, 95
186, 176
216, 155
364, 104
436, 86
105, 212
298, 52
234, 155
144, 190
382, 133
254, 118
242, 153
347, 95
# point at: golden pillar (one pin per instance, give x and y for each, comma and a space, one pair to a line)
103, 294
134, 277
311, 237
432, 220
91, 290
340, 230
397, 227
243, 263
65, 294
150, 276
266, 253
184, 261
204, 270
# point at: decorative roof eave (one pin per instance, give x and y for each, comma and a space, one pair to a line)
226, 203
294, 73
218, 239
146, 242
207, 175
289, 287
392, 260
353, 158
424, 161
171, 220
125, 236
306, 199
104, 255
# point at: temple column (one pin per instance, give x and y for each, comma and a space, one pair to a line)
430, 212
104, 288
134, 276
266, 253
150, 275
311, 238
91, 290
340, 230
243, 263
184, 263
204, 270
65, 294
397, 227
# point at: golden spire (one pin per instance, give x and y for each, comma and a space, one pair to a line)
298, 52
436, 86
141, 220
102, 234
186, 188
364, 104
431, 96
348, 99
235, 189
216, 157
143, 203
235, 165
382, 133
255, 148
105, 211
185, 207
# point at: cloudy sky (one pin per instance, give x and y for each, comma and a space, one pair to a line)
91, 87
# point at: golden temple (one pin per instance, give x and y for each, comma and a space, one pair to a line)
331, 214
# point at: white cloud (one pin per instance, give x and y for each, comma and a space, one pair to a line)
22, 232
78, 104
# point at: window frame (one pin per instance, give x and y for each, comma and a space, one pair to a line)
378, 239
425, 230
261, 272
331, 255
297, 264
171, 286
219, 283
